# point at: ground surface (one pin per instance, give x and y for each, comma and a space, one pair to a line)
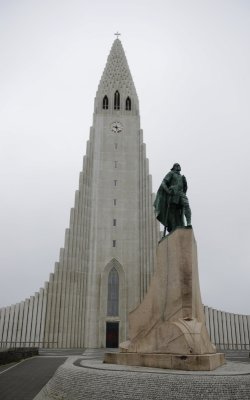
23, 381
86, 377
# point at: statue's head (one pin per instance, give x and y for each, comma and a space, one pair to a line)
176, 167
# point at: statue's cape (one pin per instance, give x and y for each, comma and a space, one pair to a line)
161, 206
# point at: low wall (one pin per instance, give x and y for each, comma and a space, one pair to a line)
10, 355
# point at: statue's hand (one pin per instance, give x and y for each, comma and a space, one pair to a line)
165, 187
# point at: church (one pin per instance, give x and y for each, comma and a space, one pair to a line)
109, 254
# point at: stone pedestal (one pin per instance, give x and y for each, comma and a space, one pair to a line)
167, 330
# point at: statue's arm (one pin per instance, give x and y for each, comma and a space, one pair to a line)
166, 183
185, 186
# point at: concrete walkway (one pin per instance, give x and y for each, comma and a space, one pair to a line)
24, 380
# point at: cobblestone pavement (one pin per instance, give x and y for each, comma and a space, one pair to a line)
87, 378
24, 380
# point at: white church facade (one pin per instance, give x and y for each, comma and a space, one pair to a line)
108, 258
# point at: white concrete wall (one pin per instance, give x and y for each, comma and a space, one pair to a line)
22, 324
228, 330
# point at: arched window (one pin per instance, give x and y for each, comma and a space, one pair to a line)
113, 293
128, 103
105, 103
117, 100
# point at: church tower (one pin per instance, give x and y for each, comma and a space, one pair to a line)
109, 253
122, 223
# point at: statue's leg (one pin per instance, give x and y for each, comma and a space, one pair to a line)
177, 219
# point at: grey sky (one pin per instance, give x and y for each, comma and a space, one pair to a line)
190, 62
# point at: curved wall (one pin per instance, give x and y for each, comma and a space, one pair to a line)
23, 324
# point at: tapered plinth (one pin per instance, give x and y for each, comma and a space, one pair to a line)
168, 328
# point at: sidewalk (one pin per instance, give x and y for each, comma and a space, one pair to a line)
24, 380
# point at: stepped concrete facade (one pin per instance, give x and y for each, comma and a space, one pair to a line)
109, 255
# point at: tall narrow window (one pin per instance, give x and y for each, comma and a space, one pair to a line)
115, 182
114, 243
114, 202
117, 100
114, 222
128, 104
105, 103
113, 293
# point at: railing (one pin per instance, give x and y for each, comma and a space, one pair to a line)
233, 346
17, 345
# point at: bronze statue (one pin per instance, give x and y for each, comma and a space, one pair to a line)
171, 203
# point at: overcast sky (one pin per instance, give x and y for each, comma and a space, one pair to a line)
190, 62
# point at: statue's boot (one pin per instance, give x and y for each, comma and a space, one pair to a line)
187, 213
188, 218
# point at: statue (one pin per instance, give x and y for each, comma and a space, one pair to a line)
171, 203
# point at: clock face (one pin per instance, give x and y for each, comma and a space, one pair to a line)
116, 127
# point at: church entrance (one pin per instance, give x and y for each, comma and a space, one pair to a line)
112, 334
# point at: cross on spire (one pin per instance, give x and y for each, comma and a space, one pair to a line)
117, 34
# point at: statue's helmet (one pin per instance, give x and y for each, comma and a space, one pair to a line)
176, 166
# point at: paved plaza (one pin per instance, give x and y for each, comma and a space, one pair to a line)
86, 377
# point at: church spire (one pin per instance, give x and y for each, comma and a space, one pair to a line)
117, 80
